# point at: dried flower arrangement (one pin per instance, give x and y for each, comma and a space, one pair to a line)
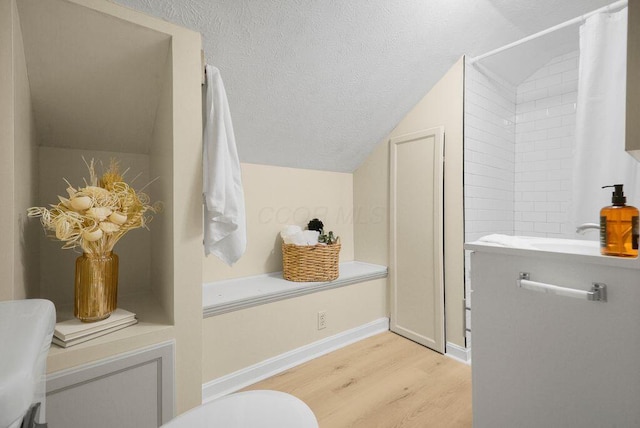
96, 216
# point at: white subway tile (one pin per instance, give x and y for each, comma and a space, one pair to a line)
534, 156
549, 101
557, 217
534, 216
546, 228
564, 174
547, 207
527, 85
538, 134
525, 186
570, 75
548, 123
524, 127
534, 196
547, 185
570, 97
525, 107
570, 120
533, 176
561, 195
523, 227
523, 206
562, 131
552, 79
536, 94
562, 153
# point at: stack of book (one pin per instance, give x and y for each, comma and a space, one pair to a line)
71, 332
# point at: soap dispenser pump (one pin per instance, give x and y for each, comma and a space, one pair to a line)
619, 226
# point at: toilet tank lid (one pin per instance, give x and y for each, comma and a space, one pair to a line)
26, 328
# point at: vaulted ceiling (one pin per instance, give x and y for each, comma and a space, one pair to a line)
318, 84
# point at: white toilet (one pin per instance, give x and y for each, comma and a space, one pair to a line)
249, 409
26, 327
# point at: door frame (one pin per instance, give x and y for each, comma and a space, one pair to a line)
437, 343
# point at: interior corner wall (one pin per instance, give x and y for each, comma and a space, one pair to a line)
161, 166
279, 196
26, 255
443, 105
371, 207
7, 10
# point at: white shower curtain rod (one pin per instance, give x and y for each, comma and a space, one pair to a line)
604, 9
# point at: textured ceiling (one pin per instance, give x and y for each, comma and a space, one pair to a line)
319, 83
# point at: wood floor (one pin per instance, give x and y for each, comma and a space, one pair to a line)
384, 381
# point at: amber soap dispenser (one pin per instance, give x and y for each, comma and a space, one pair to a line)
619, 226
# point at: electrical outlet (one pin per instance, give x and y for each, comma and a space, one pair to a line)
322, 320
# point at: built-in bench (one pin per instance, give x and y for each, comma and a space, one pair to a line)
229, 295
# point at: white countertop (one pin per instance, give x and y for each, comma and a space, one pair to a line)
568, 250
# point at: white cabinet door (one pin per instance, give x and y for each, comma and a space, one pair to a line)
130, 390
416, 265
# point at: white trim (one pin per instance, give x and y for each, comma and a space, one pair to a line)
239, 293
162, 355
458, 353
432, 335
237, 380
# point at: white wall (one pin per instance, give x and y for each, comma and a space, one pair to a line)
277, 196
442, 105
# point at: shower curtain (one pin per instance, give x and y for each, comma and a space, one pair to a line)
599, 155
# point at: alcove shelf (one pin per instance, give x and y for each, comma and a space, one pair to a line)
92, 79
220, 297
153, 326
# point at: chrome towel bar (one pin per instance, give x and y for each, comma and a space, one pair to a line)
598, 291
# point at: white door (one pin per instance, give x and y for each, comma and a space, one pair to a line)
417, 248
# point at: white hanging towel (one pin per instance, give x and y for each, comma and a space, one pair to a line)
225, 231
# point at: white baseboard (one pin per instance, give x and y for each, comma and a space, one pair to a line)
237, 380
458, 353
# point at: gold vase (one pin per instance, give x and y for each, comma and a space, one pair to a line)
96, 289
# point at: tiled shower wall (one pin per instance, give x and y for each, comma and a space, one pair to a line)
545, 129
518, 151
489, 155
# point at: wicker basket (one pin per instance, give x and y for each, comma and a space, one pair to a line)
310, 263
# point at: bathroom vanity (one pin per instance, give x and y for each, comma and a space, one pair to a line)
554, 357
